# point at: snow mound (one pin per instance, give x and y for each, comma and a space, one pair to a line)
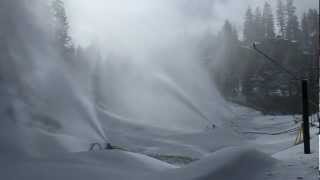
229, 163
81, 166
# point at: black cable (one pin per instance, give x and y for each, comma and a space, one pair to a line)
275, 62
272, 60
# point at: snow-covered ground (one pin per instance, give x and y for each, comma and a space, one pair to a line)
250, 146
276, 135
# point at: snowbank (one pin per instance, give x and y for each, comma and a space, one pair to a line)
230, 163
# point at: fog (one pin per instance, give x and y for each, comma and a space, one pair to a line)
92, 20
44, 104
150, 72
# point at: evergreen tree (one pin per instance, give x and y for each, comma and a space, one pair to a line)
228, 80
248, 32
61, 27
229, 33
306, 31
281, 18
310, 29
258, 25
268, 21
292, 27
313, 19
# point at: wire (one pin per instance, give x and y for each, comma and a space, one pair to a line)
274, 62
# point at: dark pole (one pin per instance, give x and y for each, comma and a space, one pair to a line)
305, 116
305, 100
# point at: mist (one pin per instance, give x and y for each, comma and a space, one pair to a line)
152, 69
44, 102
150, 52
166, 89
100, 20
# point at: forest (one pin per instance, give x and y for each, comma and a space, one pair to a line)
244, 76
153, 90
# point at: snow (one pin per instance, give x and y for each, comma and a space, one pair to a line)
296, 164
151, 140
88, 165
219, 153
124, 165
229, 163
293, 163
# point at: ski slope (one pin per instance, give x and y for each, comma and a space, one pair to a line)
217, 153
227, 164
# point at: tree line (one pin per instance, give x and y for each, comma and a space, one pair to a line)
245, 77
260, 25
240, 74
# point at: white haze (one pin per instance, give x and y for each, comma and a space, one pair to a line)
152, 73
44, 105
96, 19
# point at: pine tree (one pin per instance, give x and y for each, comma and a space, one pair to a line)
248, 32
61, 27
258, 25
310, 29
229, 33
313, 19
268, 21
305, 31
228, 80
292, 27
281, 20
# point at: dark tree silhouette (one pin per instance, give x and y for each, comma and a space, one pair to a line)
229, 33
248, 33
268, 21
258, 25
292, 27
281, 18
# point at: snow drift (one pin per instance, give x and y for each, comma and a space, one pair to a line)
230, 163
